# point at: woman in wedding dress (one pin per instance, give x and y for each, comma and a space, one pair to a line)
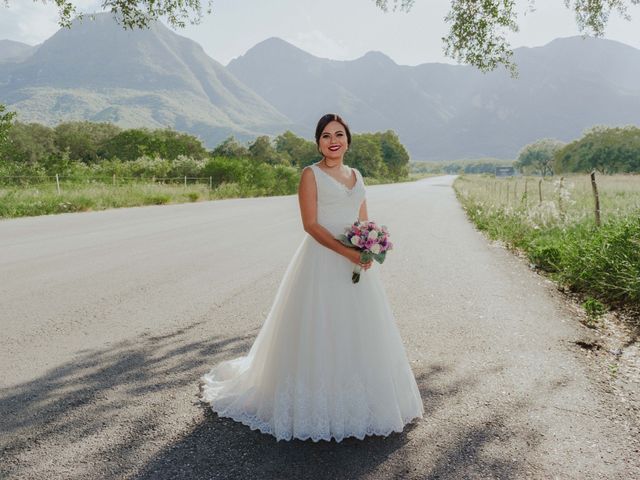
328, 362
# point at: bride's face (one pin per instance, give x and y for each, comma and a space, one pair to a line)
333, 142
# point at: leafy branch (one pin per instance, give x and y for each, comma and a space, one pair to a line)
477, 34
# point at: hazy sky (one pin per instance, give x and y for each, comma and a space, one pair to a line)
336, 29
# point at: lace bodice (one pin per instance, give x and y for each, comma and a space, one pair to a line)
338, 205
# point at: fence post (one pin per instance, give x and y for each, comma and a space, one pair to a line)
114, 179
560, 205
210, 183
596, 197
185, 180
526, 193
540, 190
58, 183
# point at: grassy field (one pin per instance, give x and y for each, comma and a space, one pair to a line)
44, 199
553, 222
21, 201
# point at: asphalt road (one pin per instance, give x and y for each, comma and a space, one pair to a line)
108, 319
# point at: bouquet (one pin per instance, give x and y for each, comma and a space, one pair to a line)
372, 241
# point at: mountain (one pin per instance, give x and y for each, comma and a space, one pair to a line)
155, 78
11, 51
305, 87
97, 71
445, 111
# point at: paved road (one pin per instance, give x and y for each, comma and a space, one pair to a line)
108, 320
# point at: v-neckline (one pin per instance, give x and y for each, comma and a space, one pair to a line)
348, 189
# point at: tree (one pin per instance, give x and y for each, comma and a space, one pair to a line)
6, 121
538, 156
394, 155
83, 139
133, 14
262, 150
478, 27
297, 150
607, 150
136, 142
365, 154
171, 144
476, 35
30, 144
231, 148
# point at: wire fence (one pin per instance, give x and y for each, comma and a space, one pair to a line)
113, 180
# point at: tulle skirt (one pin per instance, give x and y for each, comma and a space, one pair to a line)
328, 362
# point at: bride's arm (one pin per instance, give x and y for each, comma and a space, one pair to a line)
363, 215
307, 197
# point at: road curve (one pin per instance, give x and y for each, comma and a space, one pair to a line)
109, 318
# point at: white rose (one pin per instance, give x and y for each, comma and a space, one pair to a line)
375, 248
355, 240
373, 235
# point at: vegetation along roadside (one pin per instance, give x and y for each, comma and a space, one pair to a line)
81, 166
553, 222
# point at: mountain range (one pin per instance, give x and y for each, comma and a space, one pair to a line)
97, 71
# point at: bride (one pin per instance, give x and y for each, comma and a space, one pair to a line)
328, 362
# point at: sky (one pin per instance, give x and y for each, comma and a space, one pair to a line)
336, 29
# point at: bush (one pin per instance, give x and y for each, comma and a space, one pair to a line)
157, 199
225, 170
545, 252
604, 262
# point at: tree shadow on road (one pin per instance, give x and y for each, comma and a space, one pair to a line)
120, 413
99, 409
220, 448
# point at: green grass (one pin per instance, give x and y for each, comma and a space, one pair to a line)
43, 199
559, 234
79, 196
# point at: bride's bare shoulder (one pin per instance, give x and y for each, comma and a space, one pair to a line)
307, 177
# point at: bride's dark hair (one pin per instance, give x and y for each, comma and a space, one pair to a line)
325, 120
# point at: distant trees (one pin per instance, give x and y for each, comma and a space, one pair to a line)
84, 149
84, 140
296, 150
136, 142
30, 144
88, 142
480, 165
365, 154
262, 150
604, 149
230, 148
378, 154
607, 150
394, 155
537, 157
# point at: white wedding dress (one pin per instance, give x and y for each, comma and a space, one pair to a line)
328, 362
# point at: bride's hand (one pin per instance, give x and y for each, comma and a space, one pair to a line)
354, 256
366, 266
